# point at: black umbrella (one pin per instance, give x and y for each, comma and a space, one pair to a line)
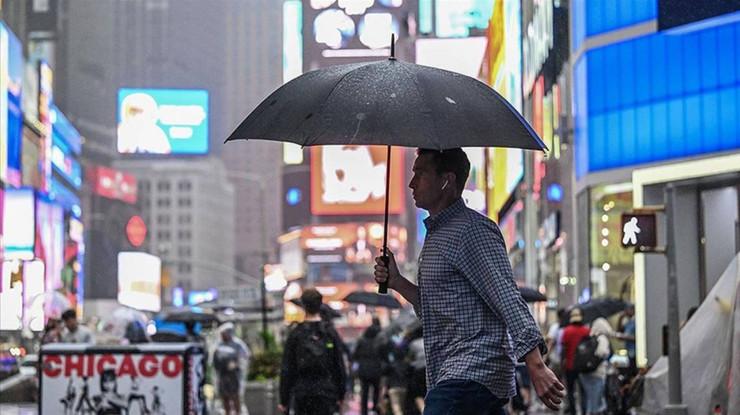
191, 314
531, 295
372, 299
389, 103
599, 307
326, 312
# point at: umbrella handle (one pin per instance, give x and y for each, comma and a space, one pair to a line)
383, 286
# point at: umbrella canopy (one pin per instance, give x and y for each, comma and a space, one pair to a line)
599, 307
190, 314
54, 303
388, 102
372, 299
531, 295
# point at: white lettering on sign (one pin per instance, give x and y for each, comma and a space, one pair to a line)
538, 40
350, 176
181, 114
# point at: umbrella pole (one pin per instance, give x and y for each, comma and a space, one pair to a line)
383, 287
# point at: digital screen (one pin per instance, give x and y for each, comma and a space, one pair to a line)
351, 243
474, 193
113, 184
11, 116
350, 180
162, 121
18, 227
11, 296
456, 55
292, 39
64, 131
455, 18
33, 296
50, 231
139, 281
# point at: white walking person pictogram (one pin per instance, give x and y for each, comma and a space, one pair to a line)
630, 232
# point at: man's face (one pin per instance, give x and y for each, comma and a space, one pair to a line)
226, 336
426, 184
71, 324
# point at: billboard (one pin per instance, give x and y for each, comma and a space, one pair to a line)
11, 296
350, 31
18, 227
351, 243
139, 281
162, 121
457, 55
11, 116
31, 158
33, 295
51, 237
456, 18
474, 193
350, 180
113, 184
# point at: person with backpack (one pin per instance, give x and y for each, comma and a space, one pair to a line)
231, 364
593, 374
312, 373
370, 366
573, 334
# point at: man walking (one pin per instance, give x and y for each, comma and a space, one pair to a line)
573, 335
476, 324
313, 369
74, 332
231, 361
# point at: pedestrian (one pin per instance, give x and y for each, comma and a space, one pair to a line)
573, 334
52, 332
369, 366
476, 324
75, 332
231, 362
312, 373
627, 329
397, 374
555, 344
417, 388
594, 382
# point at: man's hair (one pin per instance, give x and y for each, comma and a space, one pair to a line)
453, 160
312, 299
69, 314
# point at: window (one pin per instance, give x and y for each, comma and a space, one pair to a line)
163, 202
163, 186
184, 185
184, 268
163, 219
163, 235
184, 251
184, 219
183, 235
184, 202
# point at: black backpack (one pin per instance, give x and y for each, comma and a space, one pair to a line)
586, 360
315, 348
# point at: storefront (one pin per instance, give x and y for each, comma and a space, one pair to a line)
652, 107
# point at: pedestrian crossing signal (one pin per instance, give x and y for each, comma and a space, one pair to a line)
639, 230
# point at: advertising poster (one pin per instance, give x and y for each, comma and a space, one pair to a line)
152, 380
11, 117
46, 81
18, 228
162, 121
350, 180
139, 281
50, 237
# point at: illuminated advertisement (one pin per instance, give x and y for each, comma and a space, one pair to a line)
348, 31
11, 296
352, 243
292, 39
162, 121
18, 227
456, 18
51, 237
502, 69
350, 180
11, 116
474, 193
33, 295
139, 281
457, 55
113, 184
46, 98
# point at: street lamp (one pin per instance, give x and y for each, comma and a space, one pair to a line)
241, 175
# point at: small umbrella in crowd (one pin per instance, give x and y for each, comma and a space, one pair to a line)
388, 102
599, 307
372, 299
54, 303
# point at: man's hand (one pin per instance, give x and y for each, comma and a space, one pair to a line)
546, 384
388, 273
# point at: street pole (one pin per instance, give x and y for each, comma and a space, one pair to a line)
263, 286
675, 395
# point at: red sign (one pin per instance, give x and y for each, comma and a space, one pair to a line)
113, 184
79, 365
136, 231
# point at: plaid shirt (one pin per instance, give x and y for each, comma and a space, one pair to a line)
476, 324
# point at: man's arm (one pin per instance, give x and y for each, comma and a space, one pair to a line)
482, 258
396, 281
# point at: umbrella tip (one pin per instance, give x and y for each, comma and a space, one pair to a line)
393, 47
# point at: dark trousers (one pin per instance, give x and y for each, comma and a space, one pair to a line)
571, 380
315, 405
366, 384
462, 397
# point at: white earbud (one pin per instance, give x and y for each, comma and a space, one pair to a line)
445, 184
